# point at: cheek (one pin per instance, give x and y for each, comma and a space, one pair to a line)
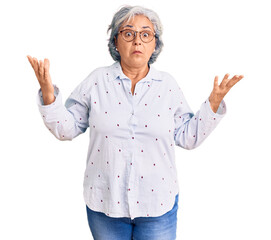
151, 49
123, 48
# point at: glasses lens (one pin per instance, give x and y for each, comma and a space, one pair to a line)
128, 35
146, 36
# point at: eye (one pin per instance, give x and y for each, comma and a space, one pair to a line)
145, 34
128, 33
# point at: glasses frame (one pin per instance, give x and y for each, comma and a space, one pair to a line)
135, 33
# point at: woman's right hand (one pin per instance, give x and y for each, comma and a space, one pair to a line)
42, 73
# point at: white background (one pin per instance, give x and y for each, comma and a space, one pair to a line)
225, 188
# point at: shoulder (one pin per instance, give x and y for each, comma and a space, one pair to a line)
167, 78
95, 75
90, 80
97, 72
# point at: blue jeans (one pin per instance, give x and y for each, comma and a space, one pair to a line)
140, 228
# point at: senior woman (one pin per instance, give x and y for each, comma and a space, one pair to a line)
135, 114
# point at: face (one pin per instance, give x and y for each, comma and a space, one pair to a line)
135, 53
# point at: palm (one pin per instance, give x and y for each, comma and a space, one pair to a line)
219, 91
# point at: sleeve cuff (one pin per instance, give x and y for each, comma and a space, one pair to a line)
221, 111
58, 100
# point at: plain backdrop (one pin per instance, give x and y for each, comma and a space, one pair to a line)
225, 188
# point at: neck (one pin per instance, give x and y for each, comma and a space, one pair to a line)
134, 73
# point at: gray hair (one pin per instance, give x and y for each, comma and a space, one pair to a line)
126, 13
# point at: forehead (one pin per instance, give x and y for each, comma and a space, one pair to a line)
139, 21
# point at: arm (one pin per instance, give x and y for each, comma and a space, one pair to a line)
67, 121
64, 122
191, 130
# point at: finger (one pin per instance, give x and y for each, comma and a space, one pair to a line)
216, 82
46, 68
225, 80
41, 68
36, 66
240, 77
46, 60
233, 81
30, 60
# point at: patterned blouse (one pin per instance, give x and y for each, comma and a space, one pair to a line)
130, 163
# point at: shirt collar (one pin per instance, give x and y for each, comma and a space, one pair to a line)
116, 72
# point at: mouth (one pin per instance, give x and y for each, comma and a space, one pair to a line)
137, 52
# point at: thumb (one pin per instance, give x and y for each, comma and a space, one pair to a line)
46, 67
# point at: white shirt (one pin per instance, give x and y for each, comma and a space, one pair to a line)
130, 164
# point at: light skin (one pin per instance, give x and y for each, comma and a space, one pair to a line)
41, 70
220, 90
134, 65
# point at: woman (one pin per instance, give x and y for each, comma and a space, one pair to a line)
136, 114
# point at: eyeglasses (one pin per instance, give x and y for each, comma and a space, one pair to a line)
129, 35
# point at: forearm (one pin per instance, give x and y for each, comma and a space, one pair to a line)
61, 122
196, 128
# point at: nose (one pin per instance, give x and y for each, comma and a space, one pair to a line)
137, 40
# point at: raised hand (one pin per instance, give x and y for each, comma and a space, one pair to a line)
219, 91
41, 70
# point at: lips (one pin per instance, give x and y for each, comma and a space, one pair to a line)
137, 52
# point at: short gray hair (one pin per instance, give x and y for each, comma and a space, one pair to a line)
126, 13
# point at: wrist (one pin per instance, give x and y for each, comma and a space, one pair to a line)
48, 94
47, 88
214, 104
48, 99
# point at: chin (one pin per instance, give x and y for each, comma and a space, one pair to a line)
139, 64
135, 61
138, 61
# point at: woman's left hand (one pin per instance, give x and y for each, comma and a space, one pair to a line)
219, 91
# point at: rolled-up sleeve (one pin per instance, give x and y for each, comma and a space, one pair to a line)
67, 121
192, 129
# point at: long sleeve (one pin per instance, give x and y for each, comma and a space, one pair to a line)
192, 129
130, 167
65, 121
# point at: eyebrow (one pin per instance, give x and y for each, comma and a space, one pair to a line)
132, 26
128, 26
